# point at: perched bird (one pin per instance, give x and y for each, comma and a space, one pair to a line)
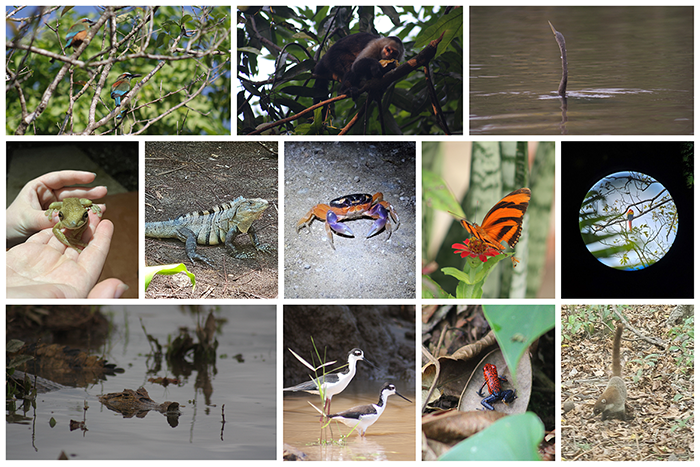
77, 33
120, 88
630, 216
364, 416
332, 383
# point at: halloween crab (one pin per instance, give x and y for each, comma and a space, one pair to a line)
352, 207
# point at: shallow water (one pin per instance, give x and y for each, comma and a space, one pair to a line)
630, 70
244, 389
392, 437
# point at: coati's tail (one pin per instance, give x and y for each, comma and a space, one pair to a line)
617, 368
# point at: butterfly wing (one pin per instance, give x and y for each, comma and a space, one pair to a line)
504, 222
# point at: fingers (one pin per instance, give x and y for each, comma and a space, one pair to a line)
93, 257
109, 288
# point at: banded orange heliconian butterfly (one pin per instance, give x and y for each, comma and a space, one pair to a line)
504, 222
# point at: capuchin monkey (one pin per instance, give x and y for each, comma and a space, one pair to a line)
354, 59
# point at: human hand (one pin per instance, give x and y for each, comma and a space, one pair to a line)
43, 267
25, 215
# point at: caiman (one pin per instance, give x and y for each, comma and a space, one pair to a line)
220, 224
139, 403
65, 365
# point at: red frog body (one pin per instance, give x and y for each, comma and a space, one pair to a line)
493, 382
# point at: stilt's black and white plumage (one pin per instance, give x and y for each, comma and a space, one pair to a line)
363, 416
332, 383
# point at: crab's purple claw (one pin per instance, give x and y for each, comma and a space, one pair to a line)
381, 215
339, 227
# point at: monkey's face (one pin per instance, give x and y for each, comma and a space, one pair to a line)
390, 52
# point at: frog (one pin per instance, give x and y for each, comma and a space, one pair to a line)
73, 217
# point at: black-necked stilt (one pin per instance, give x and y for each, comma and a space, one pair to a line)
363, 416
332, 383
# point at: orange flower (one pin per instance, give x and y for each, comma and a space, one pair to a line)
475, 248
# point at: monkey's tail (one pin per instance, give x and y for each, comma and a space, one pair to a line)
617, 368
320, 90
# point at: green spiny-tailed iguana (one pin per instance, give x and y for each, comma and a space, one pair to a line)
216, 225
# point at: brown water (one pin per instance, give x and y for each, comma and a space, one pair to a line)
630, 70
392, 437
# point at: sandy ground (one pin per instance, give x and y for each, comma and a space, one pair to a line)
359, 267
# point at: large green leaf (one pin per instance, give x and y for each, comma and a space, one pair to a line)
513, 438
518, 326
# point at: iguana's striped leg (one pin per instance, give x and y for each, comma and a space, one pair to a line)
186, 235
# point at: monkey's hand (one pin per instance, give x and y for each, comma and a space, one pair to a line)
388, 65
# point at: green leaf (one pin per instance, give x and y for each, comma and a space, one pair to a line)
19, 361
13, 345
168, 269
432, 289
465, 290
460, 275
52, 422
513, 438
518, 326
438, 196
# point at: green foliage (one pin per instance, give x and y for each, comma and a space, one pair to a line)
278, 48
683, 423
188, 49
437, 195
11, 390
586, 318
513, 438
579, 318
167, 270
472, 277
432, 289
13, 345
516, 327
588, 219
688, 163
683, 338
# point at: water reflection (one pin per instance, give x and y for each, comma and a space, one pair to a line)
392, 437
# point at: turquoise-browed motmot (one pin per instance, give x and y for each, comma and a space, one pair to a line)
78, 32
121, 87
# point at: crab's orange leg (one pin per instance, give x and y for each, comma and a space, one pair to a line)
319, 211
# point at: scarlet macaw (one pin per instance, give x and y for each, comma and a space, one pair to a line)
121, 87
630, 216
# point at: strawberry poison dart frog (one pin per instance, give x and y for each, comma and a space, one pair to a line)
493, 381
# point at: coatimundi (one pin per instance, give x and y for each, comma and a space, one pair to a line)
612, 402
353, 59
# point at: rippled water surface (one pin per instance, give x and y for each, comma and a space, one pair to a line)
242, 384
630, 70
